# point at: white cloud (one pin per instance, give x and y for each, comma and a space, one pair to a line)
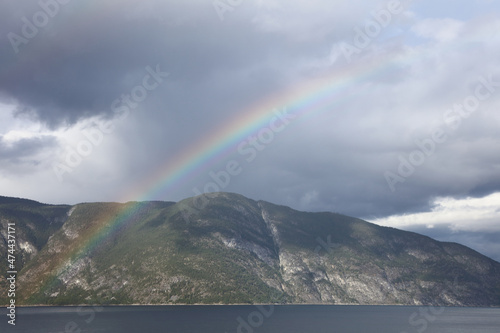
442, 30
469, 214
312, 20
14, 128
308, 199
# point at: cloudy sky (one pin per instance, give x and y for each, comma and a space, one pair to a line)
383, 110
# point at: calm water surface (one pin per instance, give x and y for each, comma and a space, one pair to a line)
250, 319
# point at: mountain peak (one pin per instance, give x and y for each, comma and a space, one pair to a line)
225, 248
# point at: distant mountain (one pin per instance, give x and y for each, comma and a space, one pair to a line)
224, 248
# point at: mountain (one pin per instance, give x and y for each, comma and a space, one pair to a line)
225, 248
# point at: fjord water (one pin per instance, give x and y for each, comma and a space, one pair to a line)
249, 319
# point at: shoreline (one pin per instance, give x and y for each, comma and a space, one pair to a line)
246, 304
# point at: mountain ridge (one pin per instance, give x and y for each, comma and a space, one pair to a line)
223, 248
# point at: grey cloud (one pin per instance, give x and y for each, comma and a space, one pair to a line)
70, 71
90, 54
76, 71
25, 155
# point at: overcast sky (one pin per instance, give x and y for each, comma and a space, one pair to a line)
388, 109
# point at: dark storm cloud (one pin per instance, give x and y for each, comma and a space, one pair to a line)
87, 55
92, 52
84, 57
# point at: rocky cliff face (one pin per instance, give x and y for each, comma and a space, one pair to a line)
225, 248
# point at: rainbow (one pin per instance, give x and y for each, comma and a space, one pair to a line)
306, 100
313, 97
310, 98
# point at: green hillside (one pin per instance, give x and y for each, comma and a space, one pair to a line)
224, 248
